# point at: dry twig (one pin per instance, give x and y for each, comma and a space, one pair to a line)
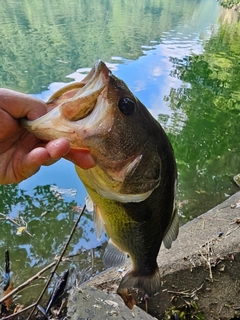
186, 294
57, 264
54, 264
24, 284
208, 262
17, 313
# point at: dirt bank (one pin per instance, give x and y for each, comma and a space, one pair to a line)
200, 275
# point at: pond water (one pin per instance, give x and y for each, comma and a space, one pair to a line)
181, 61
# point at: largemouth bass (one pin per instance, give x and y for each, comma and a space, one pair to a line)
133, 184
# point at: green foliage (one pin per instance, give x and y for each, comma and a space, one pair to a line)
206, 109
43, 41
187, 311
228, 4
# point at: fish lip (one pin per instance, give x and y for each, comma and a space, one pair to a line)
99, 73
100, 66
99, 69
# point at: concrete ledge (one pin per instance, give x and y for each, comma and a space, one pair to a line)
200, 273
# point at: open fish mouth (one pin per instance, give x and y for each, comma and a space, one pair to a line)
84, 101
71, 104
102, 115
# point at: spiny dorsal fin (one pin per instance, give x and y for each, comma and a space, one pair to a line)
172, 232
113, 257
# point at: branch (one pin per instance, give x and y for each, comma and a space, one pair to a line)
17, 313
24, 284
57, 264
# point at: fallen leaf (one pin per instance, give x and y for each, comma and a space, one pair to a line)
20, 230
18, 308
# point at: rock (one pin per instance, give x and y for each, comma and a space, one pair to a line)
200, 273
91, 303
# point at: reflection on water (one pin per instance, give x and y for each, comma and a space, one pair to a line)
179, 62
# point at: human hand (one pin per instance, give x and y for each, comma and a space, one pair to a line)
21, 153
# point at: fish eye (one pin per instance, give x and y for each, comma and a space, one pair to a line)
126, 106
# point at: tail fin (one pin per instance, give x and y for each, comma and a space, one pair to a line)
146, 284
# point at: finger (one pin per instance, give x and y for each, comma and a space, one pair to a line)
81, 157
58, 148
32, 162
20, 105
44, 155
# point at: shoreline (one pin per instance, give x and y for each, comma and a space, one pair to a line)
201, 271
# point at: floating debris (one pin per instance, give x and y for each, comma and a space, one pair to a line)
19, 221
20, 230
69, 192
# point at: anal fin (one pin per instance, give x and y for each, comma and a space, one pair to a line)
113, 257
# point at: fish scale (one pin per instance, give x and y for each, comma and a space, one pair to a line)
133, 185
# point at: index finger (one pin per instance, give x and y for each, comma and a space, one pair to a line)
20, 105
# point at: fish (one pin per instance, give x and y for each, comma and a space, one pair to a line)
133, 185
